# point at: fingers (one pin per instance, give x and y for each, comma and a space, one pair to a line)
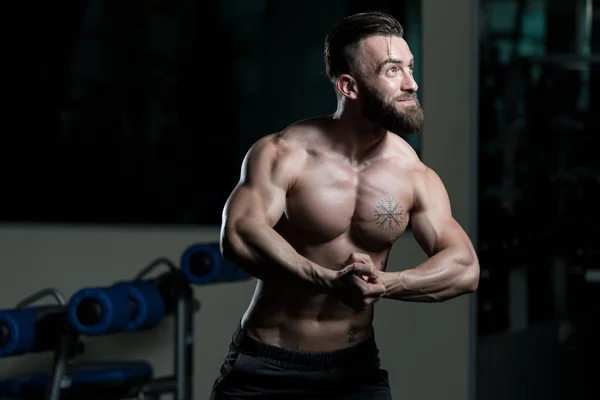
363, 266
365, 269
375, 290
359, 257
369, 298
346, 270
364, 294
368, 290
359, 269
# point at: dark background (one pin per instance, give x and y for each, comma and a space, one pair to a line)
539, 194
140, 112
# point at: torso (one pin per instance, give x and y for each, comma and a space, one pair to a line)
334, 209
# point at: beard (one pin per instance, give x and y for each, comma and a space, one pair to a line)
408, 121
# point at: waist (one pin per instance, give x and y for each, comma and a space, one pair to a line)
304, 321
364, 353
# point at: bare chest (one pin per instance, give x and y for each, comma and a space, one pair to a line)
370, 206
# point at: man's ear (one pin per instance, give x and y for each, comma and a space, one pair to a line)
346, 85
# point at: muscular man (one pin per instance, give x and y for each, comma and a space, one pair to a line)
315, 213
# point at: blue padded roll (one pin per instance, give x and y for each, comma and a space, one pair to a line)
18, 386
100, 311
203, 264
150, 306
19, 326
209, 270
239, 274
93, 374
109, 372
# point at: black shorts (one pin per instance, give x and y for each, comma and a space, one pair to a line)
256, 370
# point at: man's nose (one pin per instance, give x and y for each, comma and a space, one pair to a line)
409, 84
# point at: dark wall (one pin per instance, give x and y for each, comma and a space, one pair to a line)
140, 112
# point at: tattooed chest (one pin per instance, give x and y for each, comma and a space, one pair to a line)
380, 219
372, 207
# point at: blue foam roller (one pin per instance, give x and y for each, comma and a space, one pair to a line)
18, 386
20, 326
150, 305
87, 374
110, 372
203, 264
239, 274
111, 314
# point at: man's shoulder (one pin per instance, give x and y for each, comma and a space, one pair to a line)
290, 144
276, 145
305, 130
294, 138
407, 160
402, 148
405, 155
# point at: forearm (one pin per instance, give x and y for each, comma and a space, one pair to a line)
263, 253
446, 275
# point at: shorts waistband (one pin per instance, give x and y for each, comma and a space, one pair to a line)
363, 352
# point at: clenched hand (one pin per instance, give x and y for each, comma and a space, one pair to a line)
356, 284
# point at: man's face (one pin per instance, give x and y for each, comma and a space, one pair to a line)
387, 89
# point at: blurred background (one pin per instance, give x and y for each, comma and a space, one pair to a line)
129, 121
539, 191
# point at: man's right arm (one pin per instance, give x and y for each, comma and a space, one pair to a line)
255, 206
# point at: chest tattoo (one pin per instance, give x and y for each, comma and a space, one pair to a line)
389, 214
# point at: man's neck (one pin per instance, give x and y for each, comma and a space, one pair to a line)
354, 136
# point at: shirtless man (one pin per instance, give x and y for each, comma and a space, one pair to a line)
314, 216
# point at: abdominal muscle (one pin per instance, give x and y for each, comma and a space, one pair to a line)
304, 322
295, 319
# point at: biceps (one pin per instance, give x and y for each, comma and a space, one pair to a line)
433, 224
264, 204
436, 231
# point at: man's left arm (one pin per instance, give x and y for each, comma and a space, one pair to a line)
452, 267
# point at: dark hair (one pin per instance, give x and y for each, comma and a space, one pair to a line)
343, 39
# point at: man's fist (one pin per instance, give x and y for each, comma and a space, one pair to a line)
362, 265
357, 283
